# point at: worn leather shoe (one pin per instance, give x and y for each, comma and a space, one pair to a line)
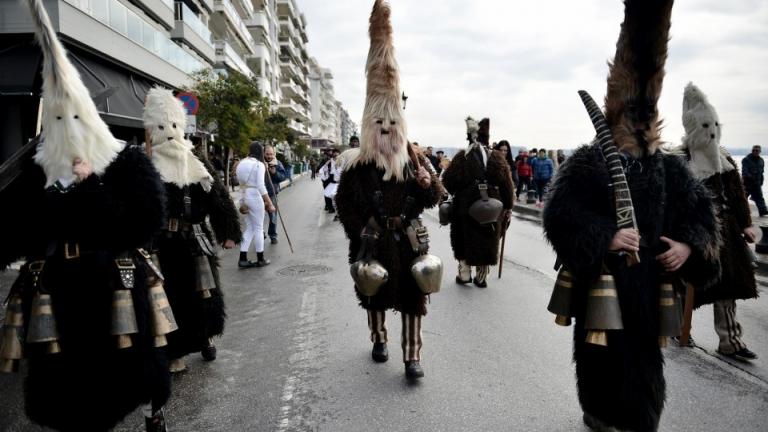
263, 263
413, 369
380, 354
483, 284
209, 352
246, 264
273, 240
743, 354
460, 281
156, 423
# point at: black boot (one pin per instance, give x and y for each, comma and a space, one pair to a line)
380, 353
413, 369
243, 261
260, 261
156, 423
209, 352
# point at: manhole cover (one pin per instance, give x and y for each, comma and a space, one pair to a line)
304, 270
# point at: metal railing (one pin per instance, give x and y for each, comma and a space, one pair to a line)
185, 14
116, 16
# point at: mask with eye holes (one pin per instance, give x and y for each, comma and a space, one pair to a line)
165, 122
384, 137
702, 134
72, 127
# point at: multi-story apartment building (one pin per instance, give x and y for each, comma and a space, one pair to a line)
124, 47
325, 130
345, 127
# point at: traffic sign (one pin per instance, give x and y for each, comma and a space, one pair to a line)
191, 103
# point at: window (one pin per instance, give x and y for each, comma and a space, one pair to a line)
148, 37
100, 9
117, 14
134, 27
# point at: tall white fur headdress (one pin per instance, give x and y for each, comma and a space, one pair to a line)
384, 137
165, 120
72, 127
702, 134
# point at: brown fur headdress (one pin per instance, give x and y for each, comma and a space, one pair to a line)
636, 75
384, 137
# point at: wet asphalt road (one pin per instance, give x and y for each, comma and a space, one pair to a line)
296, 356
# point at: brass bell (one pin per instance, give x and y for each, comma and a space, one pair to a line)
163, 321
206, 281
12, 337
670, 320
603, 311
560, 302
42, 323
123, 318
428, 272
445, 211
369, 276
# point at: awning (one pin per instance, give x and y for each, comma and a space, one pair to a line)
118, 92
18, 71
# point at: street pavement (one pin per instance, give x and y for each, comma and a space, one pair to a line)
296, 356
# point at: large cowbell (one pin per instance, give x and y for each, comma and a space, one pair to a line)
42, 323
603, 311
428, 271
123, 318
369, 276
670, 319
12, 337
560, 302
163, 321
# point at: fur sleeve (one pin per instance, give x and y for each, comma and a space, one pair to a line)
225, 219
430, 196
21, 214
578, 219
453, 176
692, 221
354, 206
501, 175
734, 190
138, 193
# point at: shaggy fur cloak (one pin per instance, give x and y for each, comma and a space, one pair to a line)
90, 384
356, 206
623, 384
474, 243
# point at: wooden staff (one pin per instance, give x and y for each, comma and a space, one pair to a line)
277, 207
503, 243
687, 316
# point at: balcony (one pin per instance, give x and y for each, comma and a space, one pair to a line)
291, 89
226, 55
193, 31
293, 110
259, 27
207, 4
247, 8
298, 127
122, 20
225, 8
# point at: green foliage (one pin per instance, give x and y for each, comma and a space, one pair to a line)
226, 107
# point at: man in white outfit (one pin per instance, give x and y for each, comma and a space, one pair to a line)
251, 173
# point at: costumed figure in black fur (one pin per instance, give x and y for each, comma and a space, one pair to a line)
383, 190
83, 311
477, 174
713, 165
200, 215
619, 372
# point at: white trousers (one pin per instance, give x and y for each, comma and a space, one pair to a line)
254, 225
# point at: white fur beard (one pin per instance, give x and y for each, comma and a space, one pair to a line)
56, 154
388, 152
178, 165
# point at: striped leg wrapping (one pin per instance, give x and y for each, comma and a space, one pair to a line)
465, 271
378, 326
411, 338
727, 328
482, 273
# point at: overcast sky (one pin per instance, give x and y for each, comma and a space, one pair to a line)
521, 63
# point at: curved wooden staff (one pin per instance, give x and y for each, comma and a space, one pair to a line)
625, 212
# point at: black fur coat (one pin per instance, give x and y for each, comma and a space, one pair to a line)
90, 384
355, 203
179, 252
738, 277
623, 384
474, 243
